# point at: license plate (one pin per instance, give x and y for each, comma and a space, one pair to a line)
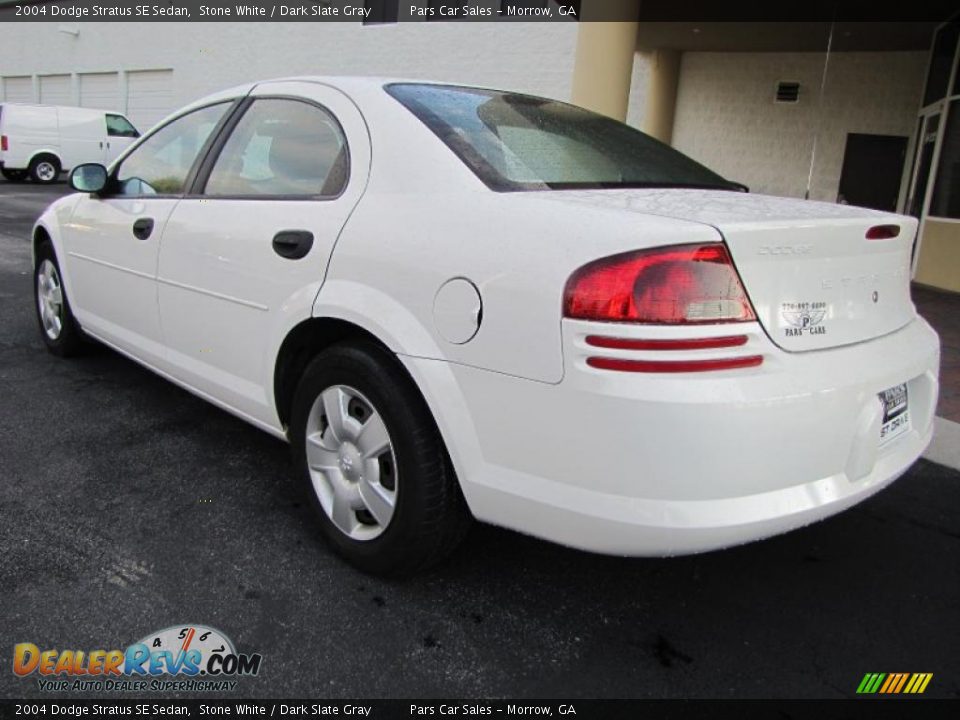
896, 413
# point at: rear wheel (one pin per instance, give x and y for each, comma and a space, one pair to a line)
58, 328
14, 175
374, 464
44, 169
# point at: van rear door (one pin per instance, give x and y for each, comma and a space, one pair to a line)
29, 129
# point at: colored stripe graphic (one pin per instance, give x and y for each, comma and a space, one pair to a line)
894, 683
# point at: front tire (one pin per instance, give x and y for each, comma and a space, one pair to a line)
44, 169
374, 464
59, 329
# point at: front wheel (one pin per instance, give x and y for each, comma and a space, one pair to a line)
59, 329
375, 467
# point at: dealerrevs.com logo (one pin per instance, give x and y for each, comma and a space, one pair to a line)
182, 658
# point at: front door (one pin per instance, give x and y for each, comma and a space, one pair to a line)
113, 240
243, 257
120, 134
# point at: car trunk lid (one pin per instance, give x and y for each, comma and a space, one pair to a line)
815, 280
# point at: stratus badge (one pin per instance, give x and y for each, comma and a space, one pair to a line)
804, 317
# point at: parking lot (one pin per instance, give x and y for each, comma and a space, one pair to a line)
128, 506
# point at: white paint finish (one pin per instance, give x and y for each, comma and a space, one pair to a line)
945, 448
113, 274
18, 89
457, 311
218, 263
726, 117
56, 90
100, 90
677, 463
684, 463
149, 96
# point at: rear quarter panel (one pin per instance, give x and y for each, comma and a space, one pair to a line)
399, 249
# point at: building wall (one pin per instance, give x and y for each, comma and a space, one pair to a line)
939, 262
726, 117
206, 57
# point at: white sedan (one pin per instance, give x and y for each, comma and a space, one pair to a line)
463, 303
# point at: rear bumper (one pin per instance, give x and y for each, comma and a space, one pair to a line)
644, 464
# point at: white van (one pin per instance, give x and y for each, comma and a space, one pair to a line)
41, 141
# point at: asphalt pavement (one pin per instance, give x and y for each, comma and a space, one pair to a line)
127, 505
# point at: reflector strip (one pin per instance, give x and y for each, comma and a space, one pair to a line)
670, 344
674, 366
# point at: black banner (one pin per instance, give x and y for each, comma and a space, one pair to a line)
386, 11
874, 709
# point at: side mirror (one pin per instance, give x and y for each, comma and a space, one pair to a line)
88, 178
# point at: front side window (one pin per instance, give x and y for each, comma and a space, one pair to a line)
519, 142
160, 165
282, 147
119, 126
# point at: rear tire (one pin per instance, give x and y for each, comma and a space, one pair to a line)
12, 175
45, 169
377, 472
59, 329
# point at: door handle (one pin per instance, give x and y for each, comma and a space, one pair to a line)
292, 244
142, 228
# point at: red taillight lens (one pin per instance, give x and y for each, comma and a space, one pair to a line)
675, 285
3, 143
883, 232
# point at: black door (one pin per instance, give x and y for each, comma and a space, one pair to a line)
872, 168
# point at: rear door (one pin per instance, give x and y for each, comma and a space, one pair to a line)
244, 255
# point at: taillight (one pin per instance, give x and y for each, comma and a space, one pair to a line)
3, 143
674, 285
883, 232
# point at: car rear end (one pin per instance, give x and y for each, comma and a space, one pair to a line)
716, 393
733, 365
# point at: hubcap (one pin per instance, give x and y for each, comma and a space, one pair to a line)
46, 171
50, 299
352, 464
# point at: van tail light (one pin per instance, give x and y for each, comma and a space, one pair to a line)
674, 285
3, 143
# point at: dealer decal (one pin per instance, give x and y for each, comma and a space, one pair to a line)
178, 658
804, 318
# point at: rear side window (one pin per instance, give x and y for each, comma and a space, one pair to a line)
520, 142
161, 163
282, 147
119, 126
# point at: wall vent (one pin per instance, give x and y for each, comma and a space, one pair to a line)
787, 92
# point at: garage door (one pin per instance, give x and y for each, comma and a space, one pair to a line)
100, 91
56, 90
149, 96
18, 89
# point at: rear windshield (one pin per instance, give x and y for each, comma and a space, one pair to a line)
520, 142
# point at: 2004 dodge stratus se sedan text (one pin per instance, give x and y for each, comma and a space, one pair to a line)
461, 303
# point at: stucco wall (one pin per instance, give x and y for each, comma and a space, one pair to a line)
209, 56
726, 117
